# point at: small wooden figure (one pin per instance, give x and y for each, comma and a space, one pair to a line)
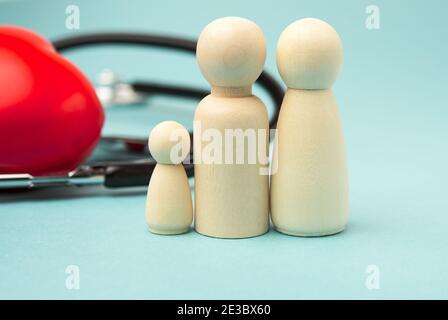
168, 205
309, 191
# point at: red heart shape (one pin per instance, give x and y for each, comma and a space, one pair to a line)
50, 116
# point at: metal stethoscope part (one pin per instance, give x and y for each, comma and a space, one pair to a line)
111, 90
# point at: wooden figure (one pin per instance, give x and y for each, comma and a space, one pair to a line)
231, 198
309, 191
168, 205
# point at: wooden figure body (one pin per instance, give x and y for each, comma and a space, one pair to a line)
168, 206
309, 190
231, 197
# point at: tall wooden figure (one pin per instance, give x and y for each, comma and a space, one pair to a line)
168, 205
309, 184
231, 193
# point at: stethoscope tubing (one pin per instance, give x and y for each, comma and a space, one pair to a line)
266, 81
118, 174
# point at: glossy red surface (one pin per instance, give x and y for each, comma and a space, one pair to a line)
50, 116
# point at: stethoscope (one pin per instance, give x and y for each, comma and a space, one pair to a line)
137, 170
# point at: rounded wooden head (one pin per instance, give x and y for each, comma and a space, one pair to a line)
169, 142
231, 52
309, 54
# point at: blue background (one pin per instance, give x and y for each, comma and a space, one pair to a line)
392, 97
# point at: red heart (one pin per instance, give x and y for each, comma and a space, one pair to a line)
50, 116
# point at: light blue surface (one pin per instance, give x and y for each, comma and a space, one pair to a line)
393, 100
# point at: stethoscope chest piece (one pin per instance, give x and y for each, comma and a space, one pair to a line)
112, 91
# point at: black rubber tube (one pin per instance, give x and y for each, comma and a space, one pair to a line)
266, 81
